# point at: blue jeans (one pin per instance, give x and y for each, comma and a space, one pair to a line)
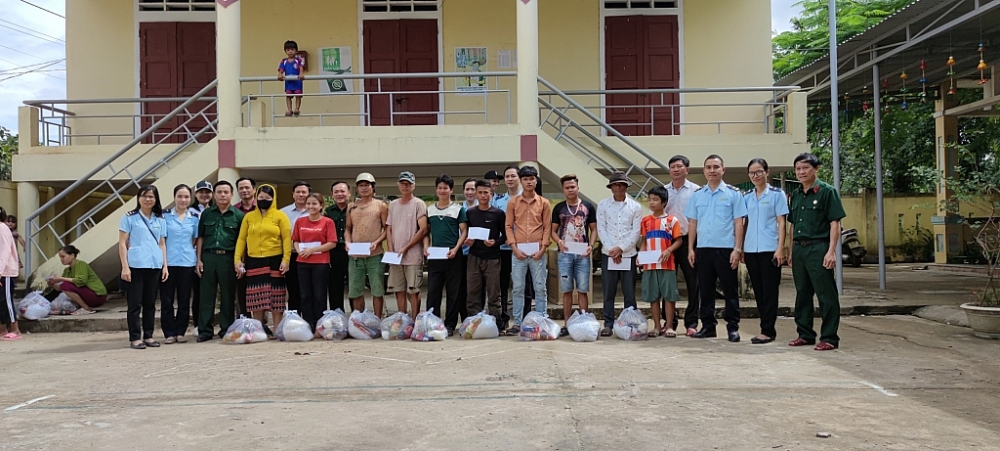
539, 274
574, 271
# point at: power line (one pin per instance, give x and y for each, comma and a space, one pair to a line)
29, 71
23, 53
33, 30
32, 67
43, 36
43, 9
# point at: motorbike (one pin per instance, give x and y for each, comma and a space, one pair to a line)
852, 251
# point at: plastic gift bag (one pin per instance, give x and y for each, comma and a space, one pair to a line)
479, 326
34, 306
62, 305
333, 325
631, 325
399, 326
245, 330
583, 326
537, 326
429, 327
293, 328
364, 325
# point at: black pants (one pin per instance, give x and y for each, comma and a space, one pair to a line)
712, 264
142, 302
292, 284
195, 299
338, 277
313, 283
178, 286
241, 297
765, 277
8, 311
506, 268
463, 296
445, 276
693, 309
610, 280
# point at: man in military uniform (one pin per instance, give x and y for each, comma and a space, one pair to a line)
715, 224
218, 229
815, 216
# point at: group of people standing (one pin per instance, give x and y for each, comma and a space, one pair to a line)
254, 258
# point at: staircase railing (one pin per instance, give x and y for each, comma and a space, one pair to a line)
128, 177
560, 121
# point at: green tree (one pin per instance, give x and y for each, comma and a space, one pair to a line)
809, 38
8, 147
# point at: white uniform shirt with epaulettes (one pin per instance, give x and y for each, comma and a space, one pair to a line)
762, 219
144, 236
180, 237
716, 212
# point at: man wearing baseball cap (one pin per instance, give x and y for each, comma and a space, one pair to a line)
619, 218
365, 224
405, 228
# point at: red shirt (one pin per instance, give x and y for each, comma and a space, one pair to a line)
308, 231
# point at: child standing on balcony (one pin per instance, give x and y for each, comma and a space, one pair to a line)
292, 67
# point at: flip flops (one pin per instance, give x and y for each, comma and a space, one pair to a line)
10, 337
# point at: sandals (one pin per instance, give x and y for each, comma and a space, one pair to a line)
81, 312
691, 331
653, 334
170, 341
824, 346
152, 343
761, 341
513, 331
288, 114
11, 336
296, 113
181, 339
606, 332
800, 342
669, 333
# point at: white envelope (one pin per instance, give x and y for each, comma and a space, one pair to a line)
625, 265
649, 257
576, 248
528, 248
359, 249
309, 245
392, 258
437, 253
479, 233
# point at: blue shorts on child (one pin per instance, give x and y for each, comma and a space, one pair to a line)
659, 284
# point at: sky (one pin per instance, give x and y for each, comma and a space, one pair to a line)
19, 50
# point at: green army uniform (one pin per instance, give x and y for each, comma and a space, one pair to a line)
338, 258
811, 213
219, 232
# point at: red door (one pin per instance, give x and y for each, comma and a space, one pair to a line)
176, 59
401, 46
641, 52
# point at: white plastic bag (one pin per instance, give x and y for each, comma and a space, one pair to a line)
293, 328
631, 325
398, 326
479, 326
364, 325
245, 330
583, 326
333, 325
34, 306
429, 327
537, 326
63, 305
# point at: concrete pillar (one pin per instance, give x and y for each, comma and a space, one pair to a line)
527, 65
947, 229
227, 26
230, 175
28, 203
27, 127
75, 213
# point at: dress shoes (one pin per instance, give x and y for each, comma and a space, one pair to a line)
705, 333
734, 337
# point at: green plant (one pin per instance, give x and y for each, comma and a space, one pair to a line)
8, 147
918, 243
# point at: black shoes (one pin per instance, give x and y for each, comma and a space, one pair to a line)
734, 337
705, 333
761, 341
204, 338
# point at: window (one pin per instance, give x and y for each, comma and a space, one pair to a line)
399, 6
639, 4
176, 5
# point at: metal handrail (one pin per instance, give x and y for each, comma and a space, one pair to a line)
675, 90
396, 75
40, 103
611, 130
107, 163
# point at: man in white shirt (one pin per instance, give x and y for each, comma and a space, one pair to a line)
300, 192
680, 190
618, 220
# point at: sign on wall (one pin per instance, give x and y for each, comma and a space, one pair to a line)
470, 60
335, 61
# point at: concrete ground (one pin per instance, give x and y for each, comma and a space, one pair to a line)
897, 383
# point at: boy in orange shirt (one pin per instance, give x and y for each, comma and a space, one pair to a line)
659, 280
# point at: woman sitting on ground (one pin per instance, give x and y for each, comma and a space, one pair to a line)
79, 282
